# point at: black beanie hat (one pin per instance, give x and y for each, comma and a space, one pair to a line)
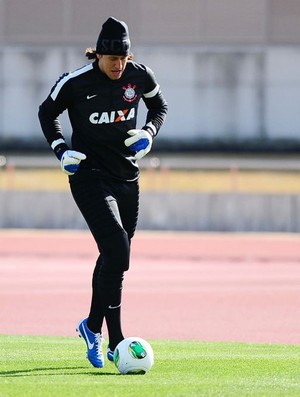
113, 38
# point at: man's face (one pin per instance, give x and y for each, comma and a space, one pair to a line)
112, 65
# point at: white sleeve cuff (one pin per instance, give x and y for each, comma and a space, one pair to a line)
152, 127
57, 142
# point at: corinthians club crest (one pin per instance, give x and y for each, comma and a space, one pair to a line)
129, 93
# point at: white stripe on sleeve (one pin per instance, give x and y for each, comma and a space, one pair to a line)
152, 93
69, 76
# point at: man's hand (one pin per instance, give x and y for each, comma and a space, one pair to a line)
70, 161
140, 141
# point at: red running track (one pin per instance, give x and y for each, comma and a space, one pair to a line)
185, 286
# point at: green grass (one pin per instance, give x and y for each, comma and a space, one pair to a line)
55, 366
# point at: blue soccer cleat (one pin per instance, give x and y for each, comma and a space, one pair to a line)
110, 354
93, 343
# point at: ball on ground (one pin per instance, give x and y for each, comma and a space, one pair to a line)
133, 355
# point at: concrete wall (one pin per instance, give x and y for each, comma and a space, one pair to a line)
162, 211
229, 69
229, 95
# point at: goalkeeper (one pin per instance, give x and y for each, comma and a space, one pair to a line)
102, 100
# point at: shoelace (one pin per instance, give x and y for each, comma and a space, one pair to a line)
98, 343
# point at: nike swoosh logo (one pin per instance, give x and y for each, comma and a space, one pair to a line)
114, 307
90, 345
90, 96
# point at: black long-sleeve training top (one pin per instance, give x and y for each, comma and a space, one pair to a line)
101, 111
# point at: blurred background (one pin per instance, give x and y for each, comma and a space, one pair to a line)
226, 158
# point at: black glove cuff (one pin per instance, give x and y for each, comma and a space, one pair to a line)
60, 149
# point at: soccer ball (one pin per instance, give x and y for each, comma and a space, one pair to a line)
133, 355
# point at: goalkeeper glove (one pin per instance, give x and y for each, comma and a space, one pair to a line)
140, 141
70, 161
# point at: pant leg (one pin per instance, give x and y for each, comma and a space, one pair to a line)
105, 207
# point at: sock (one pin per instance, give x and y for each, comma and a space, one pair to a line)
111, 292
96, 315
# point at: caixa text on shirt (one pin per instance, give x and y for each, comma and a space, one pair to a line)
115, 116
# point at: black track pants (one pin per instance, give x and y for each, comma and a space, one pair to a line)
110, 209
